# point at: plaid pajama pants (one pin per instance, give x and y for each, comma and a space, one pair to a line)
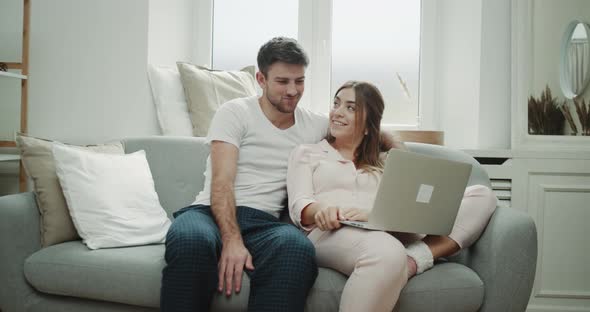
283, 258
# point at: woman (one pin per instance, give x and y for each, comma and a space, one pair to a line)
337, 179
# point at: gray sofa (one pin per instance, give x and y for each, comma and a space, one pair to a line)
496, 274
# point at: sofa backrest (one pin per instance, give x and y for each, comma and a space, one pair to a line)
478, 173
177, 165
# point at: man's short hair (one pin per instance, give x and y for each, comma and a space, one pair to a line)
280, 49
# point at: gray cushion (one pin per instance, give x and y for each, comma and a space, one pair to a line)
132, 276
177, 165
446, 287
129, 275
52, 303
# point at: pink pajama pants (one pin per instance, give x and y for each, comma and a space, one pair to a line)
376, 261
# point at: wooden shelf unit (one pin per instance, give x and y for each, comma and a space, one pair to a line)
23, 66
12, 75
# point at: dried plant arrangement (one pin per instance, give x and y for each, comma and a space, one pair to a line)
545, 117
404, 87
565, 110
583, 111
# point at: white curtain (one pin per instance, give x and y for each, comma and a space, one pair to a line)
579, 56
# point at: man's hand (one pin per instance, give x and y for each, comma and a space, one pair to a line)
234, 257
328, 219
354, 214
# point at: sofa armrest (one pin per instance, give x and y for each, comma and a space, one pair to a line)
19, 238
505, 258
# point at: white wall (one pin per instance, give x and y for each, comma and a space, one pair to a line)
88, 62
171, 31
458, 71
495, 76
473, 73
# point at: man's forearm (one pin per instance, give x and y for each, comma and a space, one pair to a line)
223, 206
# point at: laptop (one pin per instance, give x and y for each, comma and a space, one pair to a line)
417, 194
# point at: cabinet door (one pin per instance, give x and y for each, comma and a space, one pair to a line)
556, 193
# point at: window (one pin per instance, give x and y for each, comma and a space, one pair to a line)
379, 43
241, 27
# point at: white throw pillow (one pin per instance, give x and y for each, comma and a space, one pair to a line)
111, 198
171, 104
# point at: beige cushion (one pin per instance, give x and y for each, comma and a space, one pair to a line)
205, 90
56, 224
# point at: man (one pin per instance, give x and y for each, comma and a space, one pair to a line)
233, 224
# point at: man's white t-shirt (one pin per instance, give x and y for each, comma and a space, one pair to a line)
263, 151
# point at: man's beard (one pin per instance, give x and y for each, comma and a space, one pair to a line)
282, 108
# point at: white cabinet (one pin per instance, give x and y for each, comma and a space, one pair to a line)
551, 173
556, 194
554, 189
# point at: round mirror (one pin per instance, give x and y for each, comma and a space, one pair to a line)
575, 59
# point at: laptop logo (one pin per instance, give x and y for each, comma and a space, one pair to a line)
424, 193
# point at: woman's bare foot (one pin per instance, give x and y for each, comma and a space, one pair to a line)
412, 267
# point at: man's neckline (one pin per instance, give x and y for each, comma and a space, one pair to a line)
259, 104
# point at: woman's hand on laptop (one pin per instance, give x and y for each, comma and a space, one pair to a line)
354, 214
328, 219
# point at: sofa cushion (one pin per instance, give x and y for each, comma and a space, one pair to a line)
133, 275
447, 286
56, 224
169, 99
206, 89
176, 185
51, 303
128, 275
111, 198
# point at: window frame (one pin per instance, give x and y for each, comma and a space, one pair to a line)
314, 34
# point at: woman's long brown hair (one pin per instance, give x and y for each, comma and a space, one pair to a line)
369, 111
